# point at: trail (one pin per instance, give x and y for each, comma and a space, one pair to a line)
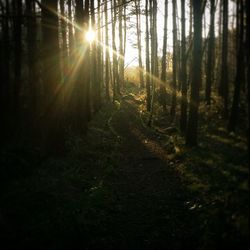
149, 191
118, 189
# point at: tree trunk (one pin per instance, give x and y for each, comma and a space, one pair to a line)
121, 52
210, 59
154, 63
107, 59
95, 83
17, 22
192, 125
138, 28
163, 62
173, 105
248, 72
32, 62
223, 91
239, 71
148, 98
99, 49
116, 85
5, 86
183, 120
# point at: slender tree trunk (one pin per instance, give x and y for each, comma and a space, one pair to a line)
192, 125
63, 40
17, 22
154, 64
5, 83
248, 72
32, 61
95, 83
125, 27
116, 87
173, 105
223, 90
138, 28
148, 98
81, 88
233, 119
210, 59
183, 120
218, 50
99, 48
163, 94
190, 41
107, 59
70, 30
121, 46
85, 92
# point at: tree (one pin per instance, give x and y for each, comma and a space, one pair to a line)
138, 28
183, 120
96, 88
148, 98
233, 119
107, 59
99, 52
173, 104
121, 46
5, 86
17, 29
248, 71
116, 84
163, 62
32, 61
223, 90
192, 125
210, 58
154, 57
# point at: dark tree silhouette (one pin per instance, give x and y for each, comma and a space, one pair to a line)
183, 120
192, 125
210, 57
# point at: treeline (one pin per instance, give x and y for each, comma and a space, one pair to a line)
53, 79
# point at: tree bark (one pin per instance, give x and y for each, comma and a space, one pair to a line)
183, 120
116, 85
163, 94
138, 28
17, 22
95, 83
192, 125
223, 90
107, 59
148, 98
173, 104
248, 73
233, 119
210, 59
121, 47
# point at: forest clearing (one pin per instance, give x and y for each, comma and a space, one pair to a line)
124, 124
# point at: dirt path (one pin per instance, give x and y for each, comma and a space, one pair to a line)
117, 190
149, 192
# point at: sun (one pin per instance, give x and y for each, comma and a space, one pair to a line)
90, 36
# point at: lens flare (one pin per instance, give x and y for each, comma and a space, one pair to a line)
90, 36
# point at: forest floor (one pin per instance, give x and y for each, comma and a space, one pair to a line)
125, 185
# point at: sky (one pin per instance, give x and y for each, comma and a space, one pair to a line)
132, 53
131, 57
